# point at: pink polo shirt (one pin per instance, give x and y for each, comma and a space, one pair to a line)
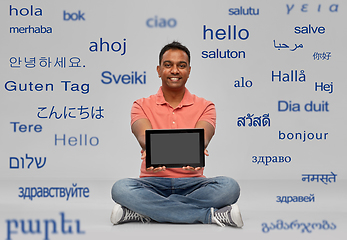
162, 116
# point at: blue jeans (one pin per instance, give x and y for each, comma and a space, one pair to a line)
176, 200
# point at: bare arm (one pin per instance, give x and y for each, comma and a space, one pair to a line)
209, 130
139, 128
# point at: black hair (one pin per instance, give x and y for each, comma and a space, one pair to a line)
174, 45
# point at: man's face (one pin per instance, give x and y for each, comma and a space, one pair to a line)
174, 69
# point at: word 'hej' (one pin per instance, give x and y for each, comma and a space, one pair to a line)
326, 87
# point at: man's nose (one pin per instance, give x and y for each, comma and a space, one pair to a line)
174, 69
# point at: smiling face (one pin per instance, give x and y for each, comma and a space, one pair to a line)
174, 70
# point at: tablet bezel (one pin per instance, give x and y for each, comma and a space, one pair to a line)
149, 134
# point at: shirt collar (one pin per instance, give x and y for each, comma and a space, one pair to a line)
187, 100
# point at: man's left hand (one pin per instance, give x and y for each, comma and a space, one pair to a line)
189, 168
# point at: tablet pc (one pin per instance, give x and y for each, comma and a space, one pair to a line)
175, 148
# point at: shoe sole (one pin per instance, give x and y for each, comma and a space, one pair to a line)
116, 214
236, 215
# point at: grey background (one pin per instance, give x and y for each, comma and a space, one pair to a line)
233, 148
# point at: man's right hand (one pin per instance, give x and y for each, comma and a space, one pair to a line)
151, 169
158, 169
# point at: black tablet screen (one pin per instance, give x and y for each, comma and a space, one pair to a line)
172, 148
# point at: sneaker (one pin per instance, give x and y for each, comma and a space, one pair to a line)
121, 214
229, 215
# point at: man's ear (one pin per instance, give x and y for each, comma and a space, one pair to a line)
158, 70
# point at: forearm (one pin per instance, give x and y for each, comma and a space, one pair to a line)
142, 141
139, 130
208, 129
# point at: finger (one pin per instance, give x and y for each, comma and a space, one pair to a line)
143, 156
206, 152
189, 168
158, 169
150, 169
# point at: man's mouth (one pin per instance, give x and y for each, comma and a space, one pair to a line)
174, 79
